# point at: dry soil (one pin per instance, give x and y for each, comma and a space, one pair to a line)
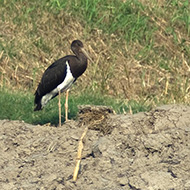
144, 151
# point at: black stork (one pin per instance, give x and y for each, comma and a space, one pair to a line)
59, 77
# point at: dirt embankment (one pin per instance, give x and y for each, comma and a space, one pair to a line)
145, 151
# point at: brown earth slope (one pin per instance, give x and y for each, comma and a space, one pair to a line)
145, 151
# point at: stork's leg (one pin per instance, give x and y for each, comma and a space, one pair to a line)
59, 105
66, 105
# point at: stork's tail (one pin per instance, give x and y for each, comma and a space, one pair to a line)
38, 107
37, 102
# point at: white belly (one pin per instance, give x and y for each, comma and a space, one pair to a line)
66, 84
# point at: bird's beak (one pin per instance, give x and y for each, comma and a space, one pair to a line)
86, 54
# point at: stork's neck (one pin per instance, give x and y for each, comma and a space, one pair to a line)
81, 57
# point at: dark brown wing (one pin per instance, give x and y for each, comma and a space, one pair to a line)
52, 77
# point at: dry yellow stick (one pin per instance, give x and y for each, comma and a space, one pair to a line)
79, 154
166, 88
130, 110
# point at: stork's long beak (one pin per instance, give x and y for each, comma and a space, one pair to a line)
86, 54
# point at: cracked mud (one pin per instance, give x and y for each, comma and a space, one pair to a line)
145, 151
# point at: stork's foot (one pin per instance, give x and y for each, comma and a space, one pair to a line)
67, 121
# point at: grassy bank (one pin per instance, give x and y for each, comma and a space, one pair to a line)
19, 106
141, 49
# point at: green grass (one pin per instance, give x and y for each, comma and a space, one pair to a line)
19, 106
123, 18
140, 50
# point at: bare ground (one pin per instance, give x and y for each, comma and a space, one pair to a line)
145, 151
